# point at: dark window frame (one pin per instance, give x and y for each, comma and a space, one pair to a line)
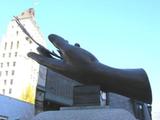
5, 46
11, 45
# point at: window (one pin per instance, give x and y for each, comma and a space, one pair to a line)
5, 47
11, 82
5, 82
14, 63
17, 32
1, 65
7, 64
27, 38
3, 91
11, 45
15, 54
10, 90
6, 73
17, 44
30, 41
3, 55
22, 13
13, 72
9, 54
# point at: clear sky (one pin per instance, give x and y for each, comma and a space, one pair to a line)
120, 33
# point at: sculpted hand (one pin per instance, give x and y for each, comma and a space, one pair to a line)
76, 63
80, 65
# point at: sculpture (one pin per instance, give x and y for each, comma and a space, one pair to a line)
80, 65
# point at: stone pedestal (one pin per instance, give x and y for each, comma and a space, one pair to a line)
82, 113
86, 95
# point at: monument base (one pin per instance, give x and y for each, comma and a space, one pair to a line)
80, 113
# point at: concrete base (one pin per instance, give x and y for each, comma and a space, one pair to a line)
86, 114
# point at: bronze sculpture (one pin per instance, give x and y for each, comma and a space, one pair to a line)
80, 65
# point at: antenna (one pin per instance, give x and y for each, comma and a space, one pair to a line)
27, 33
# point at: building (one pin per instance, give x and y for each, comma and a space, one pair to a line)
19, 74
59, 93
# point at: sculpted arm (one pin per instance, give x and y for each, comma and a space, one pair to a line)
80, 65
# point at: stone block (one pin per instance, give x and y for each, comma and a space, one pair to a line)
86, 114
86, 95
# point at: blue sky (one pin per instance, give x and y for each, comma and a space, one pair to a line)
120, 33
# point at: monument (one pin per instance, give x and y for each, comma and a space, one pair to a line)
80, 65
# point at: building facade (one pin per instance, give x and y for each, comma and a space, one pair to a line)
62, 93
19, 74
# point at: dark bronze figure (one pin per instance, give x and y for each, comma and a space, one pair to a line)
80, 65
